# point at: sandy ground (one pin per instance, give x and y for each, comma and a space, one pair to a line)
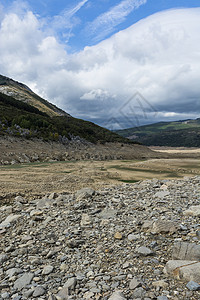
180, 150
36, 179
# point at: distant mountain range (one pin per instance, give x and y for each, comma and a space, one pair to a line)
23, 113
184, 133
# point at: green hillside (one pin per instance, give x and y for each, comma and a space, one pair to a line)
184, 133
21, 119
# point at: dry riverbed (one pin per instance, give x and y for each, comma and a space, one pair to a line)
37, 179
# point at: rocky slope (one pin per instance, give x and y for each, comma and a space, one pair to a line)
21, 92
139, 241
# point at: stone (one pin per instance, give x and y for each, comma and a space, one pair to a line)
63, 294
134, 283
162, 226
193, 211
38, 291
183, 270
3, 258
160, 284
117, 296
144, 251
118, 236
23, 281
162, 298
5, 295
71, 283
47, 270
186, 251
85, 220
193, 286
10, 220
138, 293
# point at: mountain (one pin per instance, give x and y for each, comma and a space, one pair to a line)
23, 93
23, 113
183, 133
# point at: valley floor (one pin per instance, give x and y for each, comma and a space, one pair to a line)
32, 180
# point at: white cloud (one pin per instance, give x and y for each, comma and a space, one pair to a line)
104, 24
159, 57
67, 20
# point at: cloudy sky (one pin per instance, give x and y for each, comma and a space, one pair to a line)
119, 63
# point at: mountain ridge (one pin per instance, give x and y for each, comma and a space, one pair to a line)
181, 133
23, 93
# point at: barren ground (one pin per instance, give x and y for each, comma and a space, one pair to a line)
41, 178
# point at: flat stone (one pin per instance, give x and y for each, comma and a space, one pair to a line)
162, 226
117, 296
186, 251
134, 283
193, 211
38, 291
62, 294
10, 220
71, 283
193, 286
144, 251
23, 281
47, 270
183, 269
160, 283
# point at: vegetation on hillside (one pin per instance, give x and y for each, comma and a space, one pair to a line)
21, 119
175, 134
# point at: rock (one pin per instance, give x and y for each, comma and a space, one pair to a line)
5, 295
118, 236
13, 271
193, 211
85, 192
63, 294
183, 269
162, 226
186, 251
38, 291
144, 251
160, 284
85, 220
47, 270
134, 283
3, 258
71, 283
138, 293
162, 298
117, 296
10, 220
23, 281
193, 286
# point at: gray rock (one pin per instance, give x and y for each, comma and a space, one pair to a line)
144, 251
134, 283
23, 281
71, 283
183, 269
10, 220
139, 293
117, 296
193, 286
162, 298
3, 258
186, 251
63, 294
5, 295
47, 270
193, 211
38, 291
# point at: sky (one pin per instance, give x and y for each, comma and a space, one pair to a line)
119, 64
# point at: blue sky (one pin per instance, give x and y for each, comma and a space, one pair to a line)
77, 19
92, 57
